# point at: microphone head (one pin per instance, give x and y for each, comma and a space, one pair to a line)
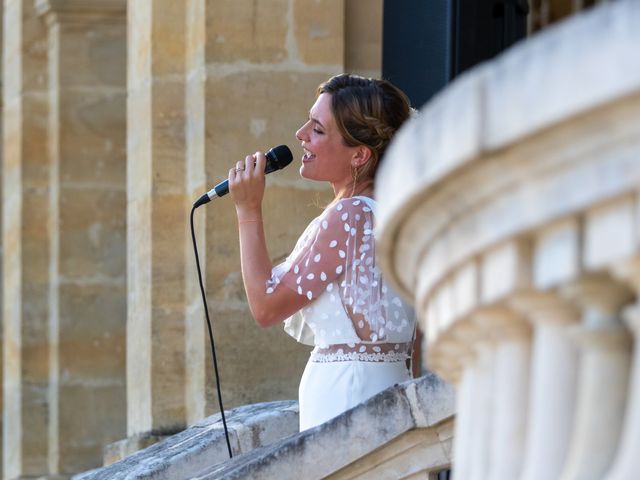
278, 158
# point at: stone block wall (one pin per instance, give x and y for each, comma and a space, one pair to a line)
116, 116
264, 61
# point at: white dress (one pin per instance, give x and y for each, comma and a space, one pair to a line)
361, 330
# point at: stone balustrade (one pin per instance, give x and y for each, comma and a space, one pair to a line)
403, 432
514, 230
202, 445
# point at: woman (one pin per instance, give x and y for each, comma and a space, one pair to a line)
330, 285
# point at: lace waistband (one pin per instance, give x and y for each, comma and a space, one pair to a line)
362, 352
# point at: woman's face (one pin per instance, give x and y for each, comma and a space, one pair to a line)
326, 157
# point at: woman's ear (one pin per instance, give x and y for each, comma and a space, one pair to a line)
361, 156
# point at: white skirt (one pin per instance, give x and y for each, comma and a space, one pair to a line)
329, 388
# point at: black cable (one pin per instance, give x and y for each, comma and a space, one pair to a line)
213, 348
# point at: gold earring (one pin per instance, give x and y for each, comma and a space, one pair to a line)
354, 175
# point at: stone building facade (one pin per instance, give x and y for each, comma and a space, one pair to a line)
117, 115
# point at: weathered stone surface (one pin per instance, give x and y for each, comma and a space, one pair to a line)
204, 444
253, 362
319, 31
257, 364
89, 134
320, 451
64, 209
363, 37
97, 55
247, 31
414, 454
158, 159
26, 213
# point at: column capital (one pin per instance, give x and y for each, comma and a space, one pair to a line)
82, 11
631, 316
629, 271
544, 306
608, 338
598, 291
502, 323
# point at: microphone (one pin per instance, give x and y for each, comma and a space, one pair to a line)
277, 158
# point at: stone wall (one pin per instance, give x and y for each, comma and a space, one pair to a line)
264, 61
116, 117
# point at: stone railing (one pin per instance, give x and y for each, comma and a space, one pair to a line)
515, 231
403, 432
202, 445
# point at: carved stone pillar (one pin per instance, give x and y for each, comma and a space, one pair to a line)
626, 463
27, 229
463, 434
553, 379
510, 396
164, 168
88, 137
482, 412
473, 397
603, 377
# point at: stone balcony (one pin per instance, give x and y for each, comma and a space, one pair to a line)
513, 226
404, 432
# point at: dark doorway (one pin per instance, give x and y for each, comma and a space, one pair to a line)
427, 43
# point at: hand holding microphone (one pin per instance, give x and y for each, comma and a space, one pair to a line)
275, 159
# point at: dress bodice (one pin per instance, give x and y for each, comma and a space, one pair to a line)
353, 313
331, 324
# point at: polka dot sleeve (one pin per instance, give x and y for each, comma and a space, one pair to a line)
326, 251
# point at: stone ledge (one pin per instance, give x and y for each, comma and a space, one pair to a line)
204, 445
422, 403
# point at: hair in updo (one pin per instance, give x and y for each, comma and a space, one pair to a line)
368, 112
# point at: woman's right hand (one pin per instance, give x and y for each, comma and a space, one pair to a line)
246, 185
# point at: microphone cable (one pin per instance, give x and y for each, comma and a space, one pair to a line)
213, 348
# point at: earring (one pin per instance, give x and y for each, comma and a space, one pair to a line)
354, 175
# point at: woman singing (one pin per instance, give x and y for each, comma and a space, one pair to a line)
330, 288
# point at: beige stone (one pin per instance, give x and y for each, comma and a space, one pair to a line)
319, 31
257, 364
26, 272
95, 216
162, 334
253, 32
87, 147
363, 37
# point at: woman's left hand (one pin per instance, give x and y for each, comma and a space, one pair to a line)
246, 184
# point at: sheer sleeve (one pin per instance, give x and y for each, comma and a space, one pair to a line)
337, 251
320, 256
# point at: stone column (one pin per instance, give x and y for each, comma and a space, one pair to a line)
26, 238
1, 249
510, 395
553, 379
198, 355
482, 409
88, 130
164, 171
603, 377
464, 417
626, 463
473, 400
